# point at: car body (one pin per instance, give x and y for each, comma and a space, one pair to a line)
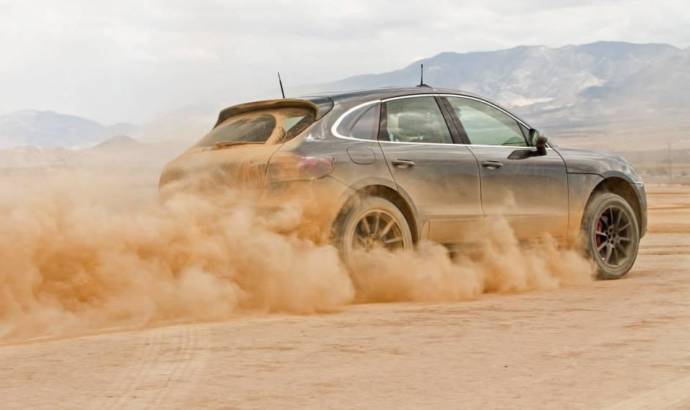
447, 159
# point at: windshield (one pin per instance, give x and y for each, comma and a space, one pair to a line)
271, 126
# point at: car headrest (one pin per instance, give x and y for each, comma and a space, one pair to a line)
412, 124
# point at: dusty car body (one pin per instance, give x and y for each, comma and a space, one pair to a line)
445, 159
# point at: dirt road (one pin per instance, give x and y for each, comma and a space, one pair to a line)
619, 345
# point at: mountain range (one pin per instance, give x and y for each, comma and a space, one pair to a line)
50, 129
599, 86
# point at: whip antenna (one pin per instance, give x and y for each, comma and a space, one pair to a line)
421, 75
280, 81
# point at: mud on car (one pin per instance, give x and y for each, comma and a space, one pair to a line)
402, 165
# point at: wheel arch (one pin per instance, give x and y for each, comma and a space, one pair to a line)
623, 187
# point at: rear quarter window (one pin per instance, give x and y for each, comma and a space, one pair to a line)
362, 123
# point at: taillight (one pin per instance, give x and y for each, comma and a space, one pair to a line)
292, 167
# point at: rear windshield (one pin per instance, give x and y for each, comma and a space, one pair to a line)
272, 126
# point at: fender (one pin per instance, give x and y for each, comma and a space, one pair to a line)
638, 188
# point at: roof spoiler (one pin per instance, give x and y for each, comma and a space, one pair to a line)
265, 105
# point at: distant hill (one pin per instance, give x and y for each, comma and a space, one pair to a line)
51, 129
117, 152
118, 142
664, 83
563, 87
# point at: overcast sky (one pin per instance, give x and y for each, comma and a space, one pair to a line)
133, 60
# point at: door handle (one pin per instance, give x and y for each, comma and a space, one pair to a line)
492, 164
402, 163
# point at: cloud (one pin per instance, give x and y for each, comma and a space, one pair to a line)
132, 60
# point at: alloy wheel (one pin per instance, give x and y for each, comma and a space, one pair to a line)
378, 229
613, 236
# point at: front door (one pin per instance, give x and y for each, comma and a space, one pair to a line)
440, 177
532, 192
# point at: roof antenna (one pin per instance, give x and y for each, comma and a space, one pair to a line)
280, 81
421, 81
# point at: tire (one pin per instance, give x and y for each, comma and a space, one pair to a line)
351, 226
611, 235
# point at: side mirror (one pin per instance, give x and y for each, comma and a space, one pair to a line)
541, 145
539, 141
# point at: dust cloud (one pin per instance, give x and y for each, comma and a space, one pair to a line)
500, 264
83, 251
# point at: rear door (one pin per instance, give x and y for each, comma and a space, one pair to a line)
532, 192
440, 176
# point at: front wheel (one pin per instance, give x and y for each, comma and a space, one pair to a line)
372, 223
611, 234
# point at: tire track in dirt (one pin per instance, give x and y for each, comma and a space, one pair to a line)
128, 381
187, 362
168, 360
165, 371
163, 355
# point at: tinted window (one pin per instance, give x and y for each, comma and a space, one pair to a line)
417, 119
362, 123
263, 126
486, 125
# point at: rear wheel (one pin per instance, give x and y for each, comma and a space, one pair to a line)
372, 223
611, 234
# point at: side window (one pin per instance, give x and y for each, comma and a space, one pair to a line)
417, 119
486, 125
362, 123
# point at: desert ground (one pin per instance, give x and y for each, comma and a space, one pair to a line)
612, 345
